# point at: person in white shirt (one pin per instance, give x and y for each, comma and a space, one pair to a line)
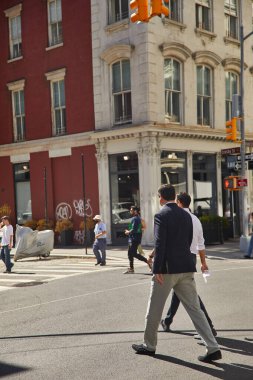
99, 246
197, 247
6, 243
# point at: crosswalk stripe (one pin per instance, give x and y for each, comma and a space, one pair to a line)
31, 272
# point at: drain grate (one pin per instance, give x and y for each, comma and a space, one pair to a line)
31, 283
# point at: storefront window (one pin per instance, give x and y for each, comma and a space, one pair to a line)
23, 192
173, 170
204, 184
124, 183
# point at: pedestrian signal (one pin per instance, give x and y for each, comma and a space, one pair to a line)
141, 10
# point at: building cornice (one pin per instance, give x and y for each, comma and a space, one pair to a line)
163, 130
48, 144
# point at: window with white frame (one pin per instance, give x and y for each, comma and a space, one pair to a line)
54, 22
231, 18
121, 92
174, 7
172, 79
58, 104
15, 36
203, 15
118, 10
18, 109
204, 95
232, 82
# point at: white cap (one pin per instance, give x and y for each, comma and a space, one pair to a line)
97, 217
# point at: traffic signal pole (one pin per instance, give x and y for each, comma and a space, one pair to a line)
243, 216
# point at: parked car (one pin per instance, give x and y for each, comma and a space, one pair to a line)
120, 216
122, 205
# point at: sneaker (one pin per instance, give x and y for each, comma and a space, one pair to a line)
129, 271
165, 327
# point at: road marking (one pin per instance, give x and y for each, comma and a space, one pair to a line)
99, 292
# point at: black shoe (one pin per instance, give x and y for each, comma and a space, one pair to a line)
99, 263
247, 257
142, 350
7, 271
165, 327
207, 358
102, 264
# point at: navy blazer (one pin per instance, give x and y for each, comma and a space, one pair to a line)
173, 237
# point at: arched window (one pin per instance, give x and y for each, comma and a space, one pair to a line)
121, 92
204, 95
172, 81
231, 82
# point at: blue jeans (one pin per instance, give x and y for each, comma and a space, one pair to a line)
6, 257
99, 248
250, 248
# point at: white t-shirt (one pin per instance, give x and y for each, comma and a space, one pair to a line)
198, 241
7, 233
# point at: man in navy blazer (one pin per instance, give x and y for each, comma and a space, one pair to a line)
174, 269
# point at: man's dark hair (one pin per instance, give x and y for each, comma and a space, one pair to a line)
185, 199
168, 192
135, 208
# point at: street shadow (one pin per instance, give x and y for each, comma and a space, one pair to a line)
70, 334
11, 369
242, 347
232, 371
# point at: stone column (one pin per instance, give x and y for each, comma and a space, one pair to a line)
219, 185
190, 177
104, 186
149, 180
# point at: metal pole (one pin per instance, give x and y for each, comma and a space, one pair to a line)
243, 213
45, 193
84, 204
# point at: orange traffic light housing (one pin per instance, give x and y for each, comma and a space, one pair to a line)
141, 14
158, 8
231, 129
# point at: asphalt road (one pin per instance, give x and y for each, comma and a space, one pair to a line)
82, 327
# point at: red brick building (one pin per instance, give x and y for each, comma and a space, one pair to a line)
47, 116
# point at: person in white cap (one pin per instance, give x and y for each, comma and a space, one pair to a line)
99, 246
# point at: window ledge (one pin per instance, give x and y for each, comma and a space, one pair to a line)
205, 33
15, 59
230, 40
168, 22
117, 26
54, 46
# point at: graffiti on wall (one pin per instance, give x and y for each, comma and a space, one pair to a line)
64, 210
78, 205
79, 237
5, 210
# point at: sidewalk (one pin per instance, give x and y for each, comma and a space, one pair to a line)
230, 249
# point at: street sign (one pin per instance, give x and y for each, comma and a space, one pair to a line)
241, 182
224, 152
236, 165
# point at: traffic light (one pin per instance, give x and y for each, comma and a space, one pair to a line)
158, 8
231, 129
230, 183
141, 13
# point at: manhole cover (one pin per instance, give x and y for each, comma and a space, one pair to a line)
24, 284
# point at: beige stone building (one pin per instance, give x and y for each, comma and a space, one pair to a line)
162, 94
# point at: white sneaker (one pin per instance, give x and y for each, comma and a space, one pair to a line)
129, 271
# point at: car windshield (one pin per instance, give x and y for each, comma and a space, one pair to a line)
124, 215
